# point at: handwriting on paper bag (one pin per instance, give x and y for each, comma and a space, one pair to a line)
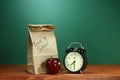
40, 44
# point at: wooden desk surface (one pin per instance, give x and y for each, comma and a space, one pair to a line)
92, 72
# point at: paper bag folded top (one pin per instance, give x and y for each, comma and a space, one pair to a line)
41, 46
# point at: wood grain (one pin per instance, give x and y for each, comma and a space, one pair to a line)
92, 72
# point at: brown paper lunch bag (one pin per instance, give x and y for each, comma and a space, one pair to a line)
41, 46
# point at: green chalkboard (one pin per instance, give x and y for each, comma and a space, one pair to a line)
94, 23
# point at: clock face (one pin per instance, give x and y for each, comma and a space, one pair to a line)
73, 61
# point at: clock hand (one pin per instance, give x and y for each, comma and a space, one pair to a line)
74, 65
72, 62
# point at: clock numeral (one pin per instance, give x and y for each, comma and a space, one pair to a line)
68, 65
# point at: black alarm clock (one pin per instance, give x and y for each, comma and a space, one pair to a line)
75, 60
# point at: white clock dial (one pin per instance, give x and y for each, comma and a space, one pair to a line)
73, 61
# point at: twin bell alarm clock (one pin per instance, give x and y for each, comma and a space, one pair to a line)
75, 60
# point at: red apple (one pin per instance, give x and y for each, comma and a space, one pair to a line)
53, 65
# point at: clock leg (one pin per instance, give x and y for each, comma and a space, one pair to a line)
81, 71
